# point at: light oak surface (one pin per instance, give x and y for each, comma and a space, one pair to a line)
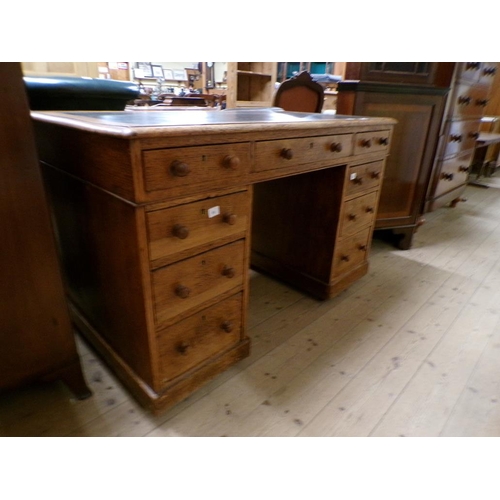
411, 349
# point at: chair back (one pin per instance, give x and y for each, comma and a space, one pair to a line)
300, 93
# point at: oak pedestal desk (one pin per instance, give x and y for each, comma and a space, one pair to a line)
160, 215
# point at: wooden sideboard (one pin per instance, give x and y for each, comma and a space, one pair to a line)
160, 215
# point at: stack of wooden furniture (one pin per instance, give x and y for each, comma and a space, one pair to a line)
460, 130
36, 337
415, 95
159, 216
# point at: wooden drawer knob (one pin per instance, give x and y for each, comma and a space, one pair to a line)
227, 326
455, 138
384, 141
228, 272
180, 231
335, 147
366, 143
182, 291
489, 71
179, 169
357, 180
362, 248
344, 258
463, 168
474, 135
286, 153
465, 100
481, 102
447, 176
375, 175
230, 219
351, 216
231, 161
182, 347
472, 65
370, 210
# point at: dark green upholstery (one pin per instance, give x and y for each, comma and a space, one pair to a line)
75, 93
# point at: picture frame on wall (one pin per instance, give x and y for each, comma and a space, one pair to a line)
180, 74
157, 71
146, 69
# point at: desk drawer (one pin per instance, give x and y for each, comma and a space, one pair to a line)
461, 136
185, 170
351, 252
358, 213
175, 232
270, 155
454, 173
190, 283
199, 337
364, 177
371, 142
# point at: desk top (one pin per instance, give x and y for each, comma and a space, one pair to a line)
128, 125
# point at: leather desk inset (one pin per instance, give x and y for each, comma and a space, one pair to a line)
160, 215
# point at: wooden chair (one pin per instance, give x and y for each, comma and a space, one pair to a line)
300, 93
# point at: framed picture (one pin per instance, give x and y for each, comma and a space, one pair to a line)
168, 74
157, 71
180, 74
146, 68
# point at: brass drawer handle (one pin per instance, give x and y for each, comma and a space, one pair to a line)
384, 141
230, 161
227, 326
286, 153
489, 71
180, 231
447, 175
229, 219
182, 347
463, 168
336, 147
465, 100
481, 102
366, 143
179, 169
182, 291
472, 65
228, 272
456, 138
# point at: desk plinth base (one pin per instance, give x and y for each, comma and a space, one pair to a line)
304, 282
179, 389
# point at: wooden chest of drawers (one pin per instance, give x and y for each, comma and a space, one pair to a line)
159, 219
460, 130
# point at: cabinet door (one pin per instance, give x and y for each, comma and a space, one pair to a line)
412, 147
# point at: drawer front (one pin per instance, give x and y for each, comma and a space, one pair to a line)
469, 71
461, 136
454, 173
199, 337
350, 253
470, 101
188, 284
270, 155
364, 177
487, 74
357, 213
371, 142
186, 170
175, 232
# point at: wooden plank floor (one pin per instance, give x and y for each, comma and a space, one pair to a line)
411, 349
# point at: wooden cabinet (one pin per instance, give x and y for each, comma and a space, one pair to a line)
250, 84
89, 69
418, 111
469, 97
159, 219
36, 337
